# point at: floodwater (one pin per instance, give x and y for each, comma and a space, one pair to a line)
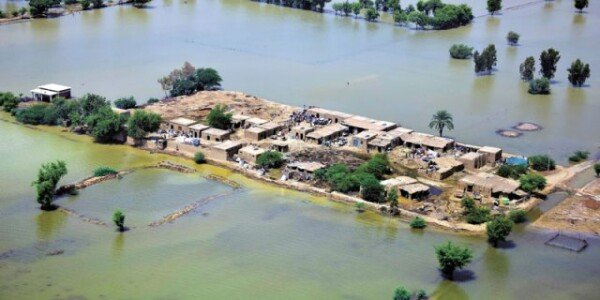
255, 242
300, 57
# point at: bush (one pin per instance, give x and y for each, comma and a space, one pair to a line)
85, 4
461, 51
498, 229
421, 295
401, 293
512, 38
542, 163
105, 124
451, 257
579, 156
539, 86
371, 189
378, 165
518, 216
597, 169
418, 223
103, 171
152, 101
8, 101
468, 204
125, 103
360, 206
270, 159
70, 2
141, 123
48, 177
532, 182
478, 215
38, 8
218, 117
514, 172
199, 158
119, 219
38, 114
371, 14
451, 16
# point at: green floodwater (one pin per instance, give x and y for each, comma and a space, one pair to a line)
300, 57
258, 242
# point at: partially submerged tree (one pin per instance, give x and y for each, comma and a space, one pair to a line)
401, 293
512, 38
418, 223
140, 3
597, 169
461, 51
105, 124
498, 229
494, 6
527, 69
9, 101
219, 118
486, 61
119, 219
48, 177
199, 157
539, 86
452, 257
518, 215
125, 103
420, 19
548, 60
580, 4
578, 73
440, 120
371, 15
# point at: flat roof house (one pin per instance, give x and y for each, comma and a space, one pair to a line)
47, 92
238, 121
326, 133
254, 122
417, 139
299, 132
196, 130
362, 139
489, 185
492, 154
357, 124
178, 124
415, 191
446, 167
262, 132
383, 142
472, 160
215, 135
225, 150
334, 116
303, 170
250, 153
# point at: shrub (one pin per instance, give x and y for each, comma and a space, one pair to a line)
421, 295
378, 165
38, 114
85, 4
512, 38
451, 257
539, 86
199, 158
152, 101
468, 204
597, 169
478, 215
514, 172
8, 101
498, 229
119, 219
270, 159
360, 206
542, 163
579, 156
371, 189
418, 223
219, 118
48, 177
401, 293
532, 182
518, 216
371, 14
451, 16
103, 171
125, 103
141, 123
105, 124
97, 3
461, 51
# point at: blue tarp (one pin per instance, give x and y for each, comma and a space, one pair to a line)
516, 161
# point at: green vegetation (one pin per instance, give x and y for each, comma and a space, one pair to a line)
440, 120
199, 157
486, 61
378, 165
498, 229
527, 69
371, 14
103, 171
420, 19
97, 3
188, 80
541, 163
451, 16
452, 257
371, 189
578, 73
494, 6
579, 156
140, 3
532, 182
401, 293
468, 204
9, 101
580, 4
418, 223
119, 220
461, 51
37, 114
141, 123
152, 101
48, 177
421, 295
518, 216
539, 86
39, 8
548, 60
514, 172
392, 198
105, 125
597, 169
356, 7
400, 17
360, 206
125, 103
474, 214
270, 159
219, 118
85, 4
512, 38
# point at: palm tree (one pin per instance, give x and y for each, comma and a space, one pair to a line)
442, 119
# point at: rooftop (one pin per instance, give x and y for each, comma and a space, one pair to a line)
471, 156
303, 128
199, 127
368, 134
182, 121
368, 123
424, 139
43, 92
270, 126
488, 149
216, 131
54, 87
447, 162
492, 182
253, 150
415, 188
398, 181
239, 118
326, 131
227, 145
323, 111
398, 131
256, 121
309, 166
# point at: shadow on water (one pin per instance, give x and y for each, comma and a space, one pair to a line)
118, 245
464, 276
48, 224
447, 289
510, 244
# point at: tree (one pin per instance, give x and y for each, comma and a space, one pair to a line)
400, 17
597, 169
97, 3
485, 62
548, 60
199, 158
494, 6
420, 19
461, 51
478, 215
539, 86
219, 118
392, 197
378, 165
39, 8
125, 103
541, 163
401, 293
579, 156
66, 109
418, 223
452, 257
580, 4
518, 215
119, 219
140, 3
188, 80
152, 101
527, 68
141, 123
371, 189
512, 38
468, 204
509, 171
346, 8
38, 114
207, 79
371, 14
48, 177
440, 120
451, 16
270, 159
356, 7
9, 101
91, 103
105, 124
532, 182
498, 229
578, 73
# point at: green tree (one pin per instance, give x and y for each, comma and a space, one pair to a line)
97, 3
451, 16
199, 157
125, 103
539, 86
119, 219
532, 182
38, 114
514, 172
527, 69
346, 8
494, 6
152, 101
371, 189
578, 73
105, 124
207, 79
400, 17
512, 38
9, 101
371, 14
141, 123
440, 120
548, 60
420, 19
270, 159
140, 3
401, 293
478, 215
597, 169
65, 108
85, 4
468, 204
39, 8
219, 118
48, 177
541, 163
356, 7
91, 103
518, 215
579, 156
392, 197
360, 206
580, 4
452, 257
378, 165
498, 229
418, 223
461, 51
486, 61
